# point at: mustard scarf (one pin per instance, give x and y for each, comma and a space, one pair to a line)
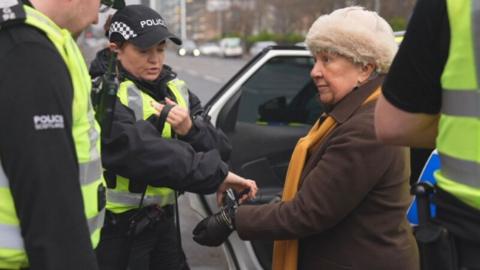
285, 252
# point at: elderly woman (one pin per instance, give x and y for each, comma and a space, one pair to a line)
345, 194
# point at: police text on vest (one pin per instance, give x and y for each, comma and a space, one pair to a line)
49, 121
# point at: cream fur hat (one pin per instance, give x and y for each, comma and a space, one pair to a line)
356, 33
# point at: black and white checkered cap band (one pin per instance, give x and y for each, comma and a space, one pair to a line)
123, 29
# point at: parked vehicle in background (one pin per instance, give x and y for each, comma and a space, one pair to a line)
301, 44
260, 45
188, 47
231, 47
210, 49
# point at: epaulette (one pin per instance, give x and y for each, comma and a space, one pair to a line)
11, 12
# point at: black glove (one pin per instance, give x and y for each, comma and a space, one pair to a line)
215, 229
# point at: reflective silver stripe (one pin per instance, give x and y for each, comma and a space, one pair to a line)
180, 87
476, 36
133, 199
96, 222
90, 171
3, 178
93, 134
76, 56
135, 101
10, 237
461, 171
461, 102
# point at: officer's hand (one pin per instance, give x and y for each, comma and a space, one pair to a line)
239, 184
178, 117
215, 229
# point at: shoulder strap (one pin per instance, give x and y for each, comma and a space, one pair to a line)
160, 123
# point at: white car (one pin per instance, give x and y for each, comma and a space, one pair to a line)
188, 47
301, 44
231, 47
257, 47
210, 48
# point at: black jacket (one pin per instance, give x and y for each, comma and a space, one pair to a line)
136, 150
41, 164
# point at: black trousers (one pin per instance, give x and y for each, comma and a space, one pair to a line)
155, 247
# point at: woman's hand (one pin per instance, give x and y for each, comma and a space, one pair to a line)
239, 184
178, 117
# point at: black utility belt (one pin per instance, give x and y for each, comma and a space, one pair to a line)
137, 220
459, 218
451, 241
166, 211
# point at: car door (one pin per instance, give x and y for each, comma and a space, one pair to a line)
264, 110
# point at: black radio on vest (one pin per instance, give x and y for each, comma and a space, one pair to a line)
104, 96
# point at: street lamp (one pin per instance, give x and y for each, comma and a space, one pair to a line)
377, 6
219, 6
183, 19
153, 4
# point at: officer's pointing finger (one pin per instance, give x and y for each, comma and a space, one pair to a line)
169, 101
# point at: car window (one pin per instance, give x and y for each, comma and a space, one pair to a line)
280, 93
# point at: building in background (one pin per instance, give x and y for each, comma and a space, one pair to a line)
195, 17
207, 20
170, 11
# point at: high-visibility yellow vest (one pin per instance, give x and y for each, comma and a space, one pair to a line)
119, 198
458, 140
85, 133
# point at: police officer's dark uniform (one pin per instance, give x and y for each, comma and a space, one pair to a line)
146, 161
49, 147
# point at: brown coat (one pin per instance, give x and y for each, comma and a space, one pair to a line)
350, 211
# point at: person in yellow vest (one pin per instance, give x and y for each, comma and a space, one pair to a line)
49, 143
345, 195
430, 99
160, 143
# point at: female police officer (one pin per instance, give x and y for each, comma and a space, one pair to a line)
149, 151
